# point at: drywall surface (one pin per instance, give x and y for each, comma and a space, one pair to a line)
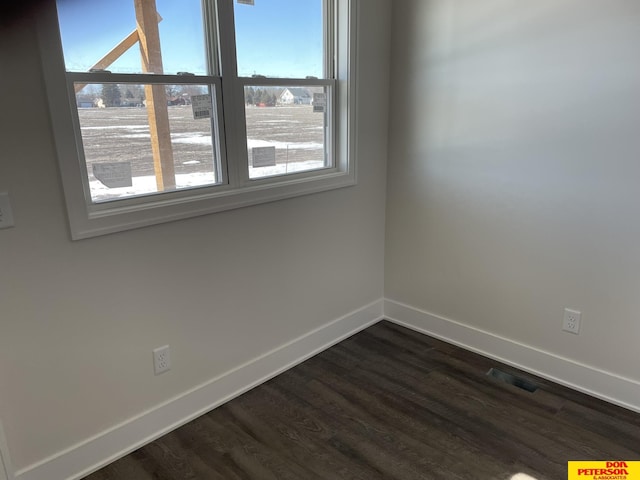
514, 168
79, 319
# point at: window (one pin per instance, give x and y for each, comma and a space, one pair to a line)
167, 109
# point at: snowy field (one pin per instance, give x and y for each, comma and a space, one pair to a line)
122, 135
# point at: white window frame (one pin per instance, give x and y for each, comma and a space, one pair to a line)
88, 219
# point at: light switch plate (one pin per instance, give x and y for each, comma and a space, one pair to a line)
6, 214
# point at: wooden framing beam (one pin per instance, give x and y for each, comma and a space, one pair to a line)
115, 53
156, 98
147, 35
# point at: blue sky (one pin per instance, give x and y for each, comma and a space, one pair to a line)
275, 38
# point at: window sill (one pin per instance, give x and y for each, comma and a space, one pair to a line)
112, 217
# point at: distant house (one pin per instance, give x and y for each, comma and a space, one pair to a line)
84, 100
295, 96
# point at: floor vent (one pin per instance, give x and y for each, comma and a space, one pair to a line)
513, 380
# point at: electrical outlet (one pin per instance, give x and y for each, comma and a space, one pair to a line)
161, 360
571, 321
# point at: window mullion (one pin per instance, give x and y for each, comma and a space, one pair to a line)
212, 36
232, 96
330, 21
212, 45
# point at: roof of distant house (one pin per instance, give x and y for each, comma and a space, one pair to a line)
298, 91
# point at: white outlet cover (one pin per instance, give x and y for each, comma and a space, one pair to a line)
161, 360
571, 321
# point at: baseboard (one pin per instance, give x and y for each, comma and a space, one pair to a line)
6, 472
593, 381
92, 454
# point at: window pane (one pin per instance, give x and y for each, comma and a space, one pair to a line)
91, 29
134, 147
280, 38
286, 130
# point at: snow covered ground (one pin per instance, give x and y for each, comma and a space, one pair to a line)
122, 135
147, 184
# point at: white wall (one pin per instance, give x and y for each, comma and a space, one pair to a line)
79, 319
514, 172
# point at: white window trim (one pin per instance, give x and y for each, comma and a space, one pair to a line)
88, 221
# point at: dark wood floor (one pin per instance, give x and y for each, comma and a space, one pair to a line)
389, 403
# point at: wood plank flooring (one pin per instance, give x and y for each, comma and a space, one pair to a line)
389, 403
